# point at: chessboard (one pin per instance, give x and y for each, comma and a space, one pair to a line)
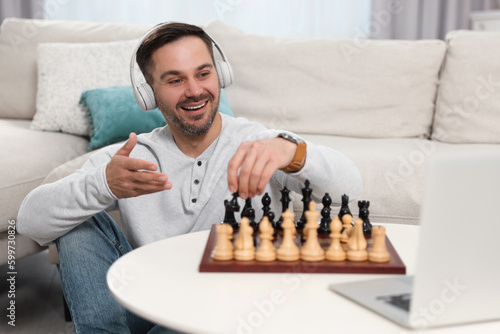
208, 264
331, 245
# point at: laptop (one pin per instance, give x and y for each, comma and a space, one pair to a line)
457, 276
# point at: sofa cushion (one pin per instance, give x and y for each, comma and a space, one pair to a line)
113, 114
336, 87
392, 171
468, 104
27, 157
73, 68
19, 39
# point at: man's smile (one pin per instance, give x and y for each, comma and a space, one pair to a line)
195, 107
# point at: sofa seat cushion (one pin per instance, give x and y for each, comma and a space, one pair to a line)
27, 157
393, 172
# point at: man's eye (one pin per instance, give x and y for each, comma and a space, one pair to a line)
204, 74
173, 82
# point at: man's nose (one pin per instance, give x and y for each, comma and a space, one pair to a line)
193, 88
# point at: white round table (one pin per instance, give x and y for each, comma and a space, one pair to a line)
161, 283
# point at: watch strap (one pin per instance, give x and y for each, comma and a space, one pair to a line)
298, 160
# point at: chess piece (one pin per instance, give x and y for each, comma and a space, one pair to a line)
311, 250
266, 251
324, 227
232, 206
346, 228
224, 248
357, 243
249, 212
266, 202
379, 251
245, 249
288, 250
285, 202
335, 252
344, 209
306, 199
363, 214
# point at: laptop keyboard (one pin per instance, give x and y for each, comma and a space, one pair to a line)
401, 301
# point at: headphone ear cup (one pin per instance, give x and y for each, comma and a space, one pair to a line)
145, 96
225, 73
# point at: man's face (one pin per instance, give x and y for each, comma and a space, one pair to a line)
186, 85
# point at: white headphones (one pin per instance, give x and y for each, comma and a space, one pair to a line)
143, 92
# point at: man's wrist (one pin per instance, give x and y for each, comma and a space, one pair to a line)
299, 158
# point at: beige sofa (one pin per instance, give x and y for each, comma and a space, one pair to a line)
388, 105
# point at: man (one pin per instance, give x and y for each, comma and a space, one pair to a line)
168, 182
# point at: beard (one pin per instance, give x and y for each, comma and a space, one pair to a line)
191, 128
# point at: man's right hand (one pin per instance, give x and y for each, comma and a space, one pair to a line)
128, 177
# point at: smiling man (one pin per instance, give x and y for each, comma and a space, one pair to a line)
171, 181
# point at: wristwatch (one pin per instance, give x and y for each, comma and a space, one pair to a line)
300, 155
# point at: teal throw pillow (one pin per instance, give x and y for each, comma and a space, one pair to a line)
113, 114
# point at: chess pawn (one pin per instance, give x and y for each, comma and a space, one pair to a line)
357, 243
311, 250
335, 252
224, 248
379, 251
266, 251
288, 250
324, 227
245, 249
346, 221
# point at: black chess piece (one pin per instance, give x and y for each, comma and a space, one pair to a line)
266, 202
324, 227
363, 214
249, 212
344, 209
306, 199
285, 202
232, 206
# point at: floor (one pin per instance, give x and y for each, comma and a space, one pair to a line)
38, 298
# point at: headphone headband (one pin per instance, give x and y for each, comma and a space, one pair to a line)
143, 92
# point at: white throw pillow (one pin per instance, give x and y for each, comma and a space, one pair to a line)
65, 70
468, 103
343, 87
19, 39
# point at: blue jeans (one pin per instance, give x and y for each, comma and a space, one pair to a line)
85, 255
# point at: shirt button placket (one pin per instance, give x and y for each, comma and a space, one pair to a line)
198, 172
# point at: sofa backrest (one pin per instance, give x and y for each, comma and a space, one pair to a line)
358, 88
19, 39
468, 104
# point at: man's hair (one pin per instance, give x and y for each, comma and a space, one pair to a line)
166, 34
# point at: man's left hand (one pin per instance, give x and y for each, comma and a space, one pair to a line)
257, 161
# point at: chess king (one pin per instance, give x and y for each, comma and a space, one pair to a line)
173, 180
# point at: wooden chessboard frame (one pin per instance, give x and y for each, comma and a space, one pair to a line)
208, 264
